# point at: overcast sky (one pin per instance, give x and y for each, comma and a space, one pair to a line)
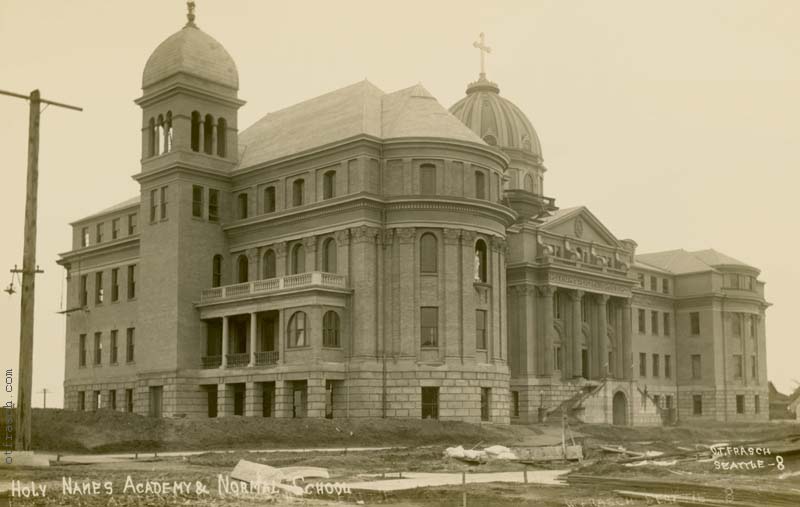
676, 123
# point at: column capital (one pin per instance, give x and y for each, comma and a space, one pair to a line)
387, 237
343, 236
310, 243
576, 295
499, 244
451, 236
364, 234
546, 290
602, 299
406, 235
468, 236
252, 254
280, 248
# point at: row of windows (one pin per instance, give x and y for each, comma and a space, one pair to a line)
298, 195
738, 366
297, 263
99, 286
113, 354
198, 202
158, 203
429, 328
738, 322
666, 319
697, 404
159, 135
116, 230
737, 281
430, 403
654, 285
655, 370
112, 400
429, 257
208, 135
298, 328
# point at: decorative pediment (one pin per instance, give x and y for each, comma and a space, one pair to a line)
581, 224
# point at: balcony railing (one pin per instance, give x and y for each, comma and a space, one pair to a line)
210, 362
235, 360
257, 287
266, 358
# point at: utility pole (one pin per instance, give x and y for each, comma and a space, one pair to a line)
44, 396
22, 440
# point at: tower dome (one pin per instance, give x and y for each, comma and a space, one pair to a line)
496, 119
193, 52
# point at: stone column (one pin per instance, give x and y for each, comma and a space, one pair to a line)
280, 259
213, 139
252, 398
577, 333
253, 337
547, 293
315, 396
224, 400
468, 298
408, 275
283, 398
497, 248
224, 341
253, 272
310, 245
281, 337
627, 345
364, 291
201, 146
530, 345
449, 284
602, 344
343, 252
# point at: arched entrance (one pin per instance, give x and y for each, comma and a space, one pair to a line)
620, 409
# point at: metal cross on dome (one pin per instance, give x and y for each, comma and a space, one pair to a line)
484, 50
190, 14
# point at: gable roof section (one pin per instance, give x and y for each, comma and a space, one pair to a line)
111, 209
568, 214
681, 262
358, 109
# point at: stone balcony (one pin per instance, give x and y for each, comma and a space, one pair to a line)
268, 358
311, 279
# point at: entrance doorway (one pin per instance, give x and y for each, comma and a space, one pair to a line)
156, 401
211, 394
268, 400
299, 396
620, 409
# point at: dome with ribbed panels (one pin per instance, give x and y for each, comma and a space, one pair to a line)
495, 119
194, 52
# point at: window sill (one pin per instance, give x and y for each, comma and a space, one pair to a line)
429, 347
332, 347
478, 283
303, 347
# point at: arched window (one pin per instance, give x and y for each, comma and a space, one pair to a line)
241, 200
216, 271
222, 131
298, 189
241, 268
151, 138
298, 259
329, 185
329, 256
296, 330
427, 179
269, 264
330, 329
269, 199
528, 183
160, 135
168, 133
556, 305
208, 135
480, 185
195, 134
428, 254
480, 261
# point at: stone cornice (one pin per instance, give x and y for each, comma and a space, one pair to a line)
101, 249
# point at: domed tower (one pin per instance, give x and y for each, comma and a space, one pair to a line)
503, 125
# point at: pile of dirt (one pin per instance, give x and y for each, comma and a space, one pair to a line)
107, 431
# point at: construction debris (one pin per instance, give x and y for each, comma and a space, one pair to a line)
549, 453
280, 478
473, 456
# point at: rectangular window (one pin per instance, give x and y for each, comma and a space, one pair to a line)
667, 323
642, 364
654, 284
656, 365
641, 280
132, 223
694, 323
657, 400
82, 350
213, 204
642, 323
114, 351
163, 202
697, 367
429, 326
430, 402
557, 358
129, 400
668, 401
427, 180
269, 199
697, 404
115, 228
96, 400
480, 329
99, 233
115, 284
740, 404
241, 199
754, 328
753, 367
667, 366
81, 400
736, 325
757, 404
112, 399
486, 395
737, 366
129, 345
515, 403
98, 348
654, 322
480, 185
85, 236
197, 201
665, 285
132, 281
84, 295
98, 288
153, 205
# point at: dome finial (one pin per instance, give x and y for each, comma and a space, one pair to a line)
190, 14
484, 50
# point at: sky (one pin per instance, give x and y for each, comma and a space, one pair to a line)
674, 122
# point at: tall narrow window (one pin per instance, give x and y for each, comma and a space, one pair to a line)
132, 281
430, 403
753, 367
654, 322
168, 132
486, 395
329, 185
330, 329
697, 367
329, 256
667, 323
665, 286
556, 305
115, 228
668, 366
269, 199
298, 259
298, 189
697, 404
213, 204
99, 233
642, 323
160, 135
82, 350
480, 330
481, 270
84, 294
195, 133
132, 223
429, 326
85, 236
98, 348
241, 200
428, 253
115, 284
197, 201
208, 135
98, 288
736, 325
296, 330
241, 269
129, 345
737, 366
694, 323
528, 183
163, 202
480, 185
114, 348
642, 364
153, 205
656, 365
427, 179
216, 271
151, 138
222, 136
654, 284
269, 264
740, 404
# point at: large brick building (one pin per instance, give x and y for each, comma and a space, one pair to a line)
372, 254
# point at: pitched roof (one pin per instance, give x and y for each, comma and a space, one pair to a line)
681, 262
117, 207
360, 108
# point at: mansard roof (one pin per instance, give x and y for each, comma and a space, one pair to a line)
680, 261
128, 203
